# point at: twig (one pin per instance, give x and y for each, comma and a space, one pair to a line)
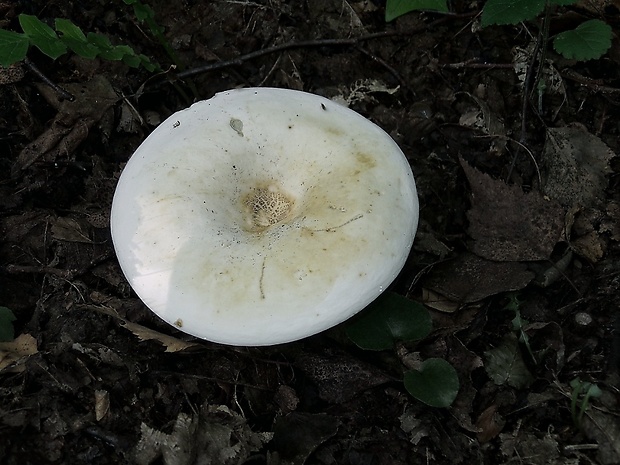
59, 90
475, 64
383, 63
348, 42
527, 86
591, 83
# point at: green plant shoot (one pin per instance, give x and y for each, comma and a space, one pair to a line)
66, 36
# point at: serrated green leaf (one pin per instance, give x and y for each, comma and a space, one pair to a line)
588, 41
505, 364
436, 383
510, 11
13, 47
6, 324
396, 8
389, 319
42, 36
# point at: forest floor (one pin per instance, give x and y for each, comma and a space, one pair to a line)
517, 254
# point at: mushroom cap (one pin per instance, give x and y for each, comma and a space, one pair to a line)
263, 216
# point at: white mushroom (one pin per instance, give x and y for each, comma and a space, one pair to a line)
262, 216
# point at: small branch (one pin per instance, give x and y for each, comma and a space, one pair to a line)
59, 90
475, 64
348, 42
591, 83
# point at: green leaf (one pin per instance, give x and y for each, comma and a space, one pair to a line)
510, 11
75, 39
100, 41
116, 53
142, 11
505, 364
436, 383
396, 8
147, 64
6, 324
42, 36
13, 47
588, 41
389, 319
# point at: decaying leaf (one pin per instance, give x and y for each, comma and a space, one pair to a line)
72, 122
505, 365
508, 224
70, 230
13, 354
576, 164
298, 434
604, 428
102, 404
469, 278
531, 449
215, 435
171, 343
340, 377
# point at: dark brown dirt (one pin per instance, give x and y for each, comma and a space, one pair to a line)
86, 384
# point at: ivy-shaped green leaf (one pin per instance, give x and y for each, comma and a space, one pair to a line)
589, 40
390, 318
75, 39
396, 8
42, 36
436, 383
13, 47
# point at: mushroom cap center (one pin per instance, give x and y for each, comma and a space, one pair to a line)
266, 206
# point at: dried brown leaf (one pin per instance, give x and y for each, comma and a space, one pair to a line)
13, 354
576, 164
469, 278
508, 224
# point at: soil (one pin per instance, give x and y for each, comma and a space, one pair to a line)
517, 255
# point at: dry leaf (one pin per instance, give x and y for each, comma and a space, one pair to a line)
216, 435
72, 122
102, 404
508, 224
171, 343
70, 230
13, 354
576, 164
469, 278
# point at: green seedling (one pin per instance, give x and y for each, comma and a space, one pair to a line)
7, 317
65, 37
519, 323
582, 392
590, 40
144, 13
393, 319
